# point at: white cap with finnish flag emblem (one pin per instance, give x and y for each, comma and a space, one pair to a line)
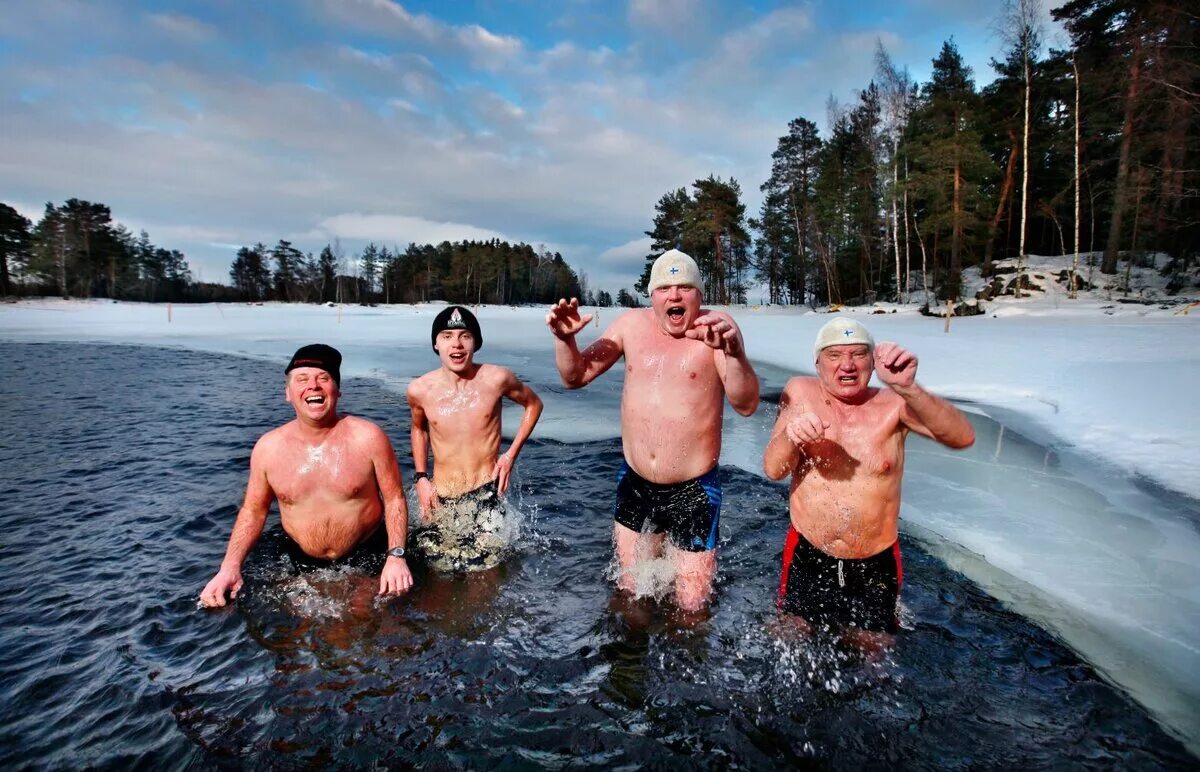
841, 331
674, 267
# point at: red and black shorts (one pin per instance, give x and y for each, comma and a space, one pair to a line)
829, 591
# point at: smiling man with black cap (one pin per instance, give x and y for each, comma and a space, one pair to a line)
335, 478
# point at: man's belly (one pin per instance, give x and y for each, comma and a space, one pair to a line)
329, 532
845, 519
452, 480
667, 452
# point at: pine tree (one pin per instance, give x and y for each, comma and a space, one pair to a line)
15, 240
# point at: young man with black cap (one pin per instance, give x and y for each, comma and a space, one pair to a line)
335, 478
842, 442
456, 408
682, 362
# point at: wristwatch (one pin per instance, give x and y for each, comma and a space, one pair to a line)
420, 476
396, 552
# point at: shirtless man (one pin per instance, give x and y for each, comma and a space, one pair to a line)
457, 407
681, 362
335, 478
843, 443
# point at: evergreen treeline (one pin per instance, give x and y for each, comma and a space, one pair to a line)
76, 250
470, 272
1091, 149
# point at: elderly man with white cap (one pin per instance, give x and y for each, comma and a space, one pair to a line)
681, 363
843, 443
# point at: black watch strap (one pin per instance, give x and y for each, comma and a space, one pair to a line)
420, 476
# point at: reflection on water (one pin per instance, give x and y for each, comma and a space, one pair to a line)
120, 489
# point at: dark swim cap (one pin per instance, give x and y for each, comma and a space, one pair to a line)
456, 318
318, 355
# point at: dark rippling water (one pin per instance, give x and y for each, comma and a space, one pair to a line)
121, 470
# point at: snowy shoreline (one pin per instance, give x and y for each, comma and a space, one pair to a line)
1108, 378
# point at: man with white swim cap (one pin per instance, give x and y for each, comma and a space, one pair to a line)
842, 441
335, 478
456, 409
681, 363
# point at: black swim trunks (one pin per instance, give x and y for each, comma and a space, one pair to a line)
368, 555
841, 592
468, 533
688, 511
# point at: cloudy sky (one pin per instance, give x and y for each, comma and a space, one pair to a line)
553, 122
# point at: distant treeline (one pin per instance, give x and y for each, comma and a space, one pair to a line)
469, 272
76, 250
1092, 148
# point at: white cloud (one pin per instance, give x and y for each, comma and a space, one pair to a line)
182, 27
631, 254
400, 229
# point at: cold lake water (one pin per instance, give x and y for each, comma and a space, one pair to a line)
122, 469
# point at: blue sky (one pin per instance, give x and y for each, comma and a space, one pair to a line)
218, 124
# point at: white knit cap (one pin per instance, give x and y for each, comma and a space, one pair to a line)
674, 267
841, 331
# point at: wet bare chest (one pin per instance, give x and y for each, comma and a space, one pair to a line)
462, 411
862, 442
327, 472
671, 369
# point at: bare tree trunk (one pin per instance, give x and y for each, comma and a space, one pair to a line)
907, 261
1075, 262
1005, 191
1121, 193
956, 233
924, 275
1024, 177
896, 223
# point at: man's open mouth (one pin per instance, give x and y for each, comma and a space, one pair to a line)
676, 313
458, 358
847, 379
315, 399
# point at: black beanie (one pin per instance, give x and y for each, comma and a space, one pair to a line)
318, 355
456, 318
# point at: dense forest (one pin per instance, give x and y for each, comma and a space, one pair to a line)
1091, 149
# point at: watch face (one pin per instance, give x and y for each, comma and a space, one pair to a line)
396, 552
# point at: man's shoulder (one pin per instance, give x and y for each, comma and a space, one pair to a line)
358, 425
801, 383
419, 385
495, 373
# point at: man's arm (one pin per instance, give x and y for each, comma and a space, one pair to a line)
524, 396
579, 368
794, 427
419, 436
395, 578
246, 529
718, 330
925, 413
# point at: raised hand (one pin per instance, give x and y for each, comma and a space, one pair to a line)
564, 319
716, 329
895, 366
226, 580
806, 427
501, 471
